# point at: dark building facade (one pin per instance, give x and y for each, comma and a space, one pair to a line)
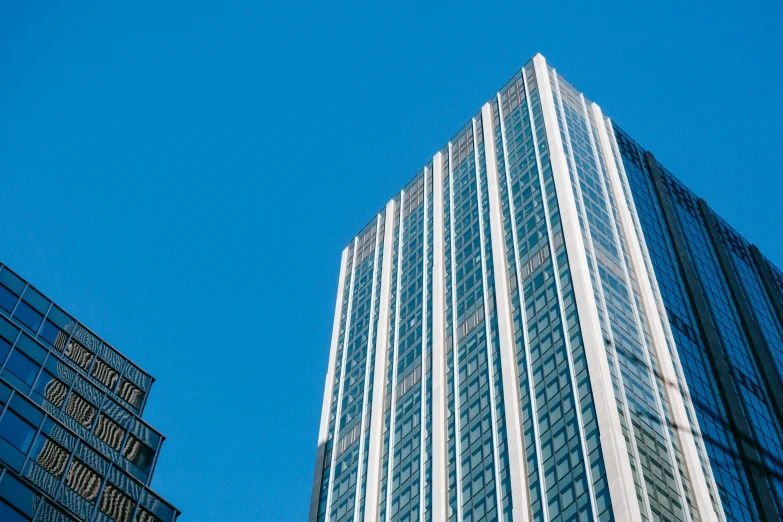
546, 325
73, 444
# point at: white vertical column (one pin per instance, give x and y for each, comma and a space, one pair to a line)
439, 509
346, 336
365, 410
455, 359
425, 311
323, 432
508, 362
618, 466
379, 380
395, 355
666, 363
487, 326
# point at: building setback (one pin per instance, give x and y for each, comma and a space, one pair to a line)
73, 445
546, 325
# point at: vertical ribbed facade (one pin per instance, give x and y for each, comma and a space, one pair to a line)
545, 325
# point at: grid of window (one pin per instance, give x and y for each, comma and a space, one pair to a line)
641, 404
564, 476
766, 430
44, 321
719, 443
36, 450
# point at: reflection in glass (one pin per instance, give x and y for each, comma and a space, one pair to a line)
79, 354
51, 388
50, 456
130, 393
81, 410
116, 504
83, 480
138, 454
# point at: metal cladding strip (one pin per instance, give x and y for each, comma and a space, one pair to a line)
561, 309
439, 509
737, 420
758, 344
487, 328
618, 466
379, 392
342, 379
366, 411
453, 275
423, 451
395, 365
679, 414
769, 283
508, 364
323, 433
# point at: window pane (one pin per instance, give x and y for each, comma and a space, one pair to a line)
138, 453
9, 514
81, 410
5, 347
51, 388
7, 299
23, 367
145, 516
130, 393
105, 373
79, 354
16, 430
29, 316
50, 456
53, 335
116, 504
82, 479
109, 432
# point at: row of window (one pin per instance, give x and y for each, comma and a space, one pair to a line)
56, 461
42, 382
56, 329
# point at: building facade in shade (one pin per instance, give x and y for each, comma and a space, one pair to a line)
73, 445
546, 325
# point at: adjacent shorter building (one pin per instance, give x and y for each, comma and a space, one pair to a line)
73, 445
546, 325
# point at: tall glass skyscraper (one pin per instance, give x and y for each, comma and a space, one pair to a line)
73, 445
546, 325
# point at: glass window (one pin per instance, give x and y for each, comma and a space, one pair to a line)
130, 393
29, 316
9, 514
82, 479
145, 516
139, 454
81, 410
5, 347
22, 366
105, 373
116, 504
53, 335
51, 388
49, 455
7, 299
109, 432
17, 431
79, 354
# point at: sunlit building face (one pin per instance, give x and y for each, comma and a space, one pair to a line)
546, 325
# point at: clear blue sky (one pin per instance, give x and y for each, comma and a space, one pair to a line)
183, 177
